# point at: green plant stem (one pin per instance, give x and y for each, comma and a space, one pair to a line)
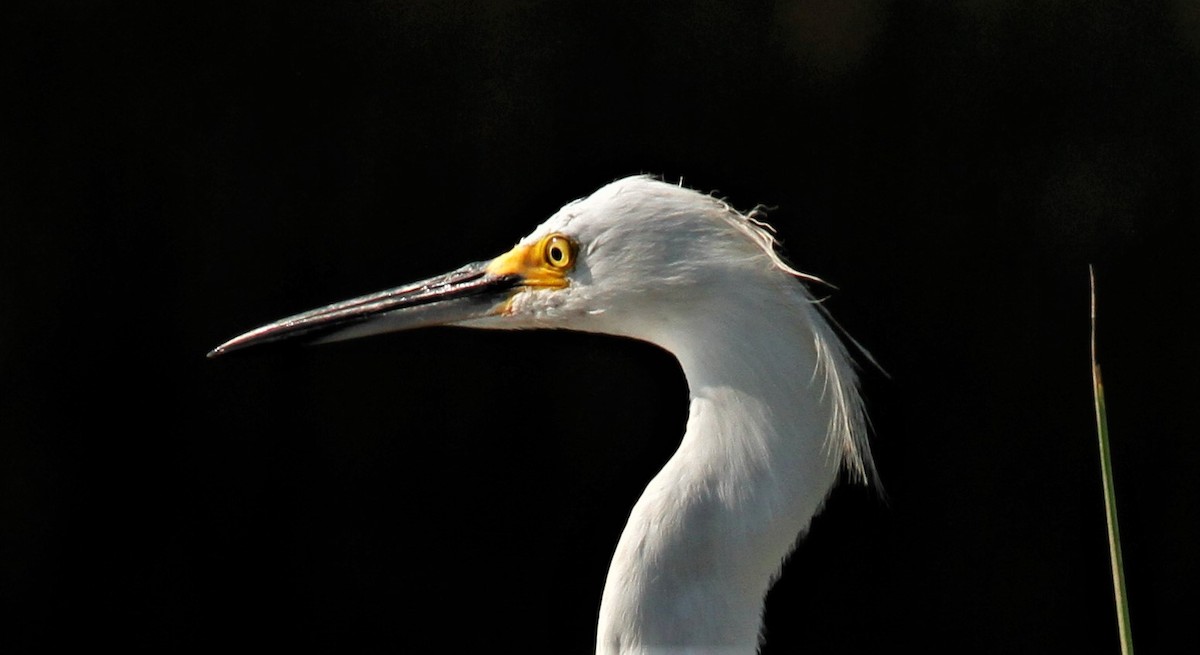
1110, 501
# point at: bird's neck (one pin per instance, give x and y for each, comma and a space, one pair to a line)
711, 530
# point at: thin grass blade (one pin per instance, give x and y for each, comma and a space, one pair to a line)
1110, 494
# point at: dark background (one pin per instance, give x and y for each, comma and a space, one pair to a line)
176, 174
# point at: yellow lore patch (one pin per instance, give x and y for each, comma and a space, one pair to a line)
543, 265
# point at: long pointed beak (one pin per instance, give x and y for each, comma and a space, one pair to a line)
468, 293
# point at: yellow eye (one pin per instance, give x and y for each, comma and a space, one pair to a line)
540, 265
558, 251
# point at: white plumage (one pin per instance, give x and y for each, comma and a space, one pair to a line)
775, 408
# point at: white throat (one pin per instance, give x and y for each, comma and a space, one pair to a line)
763, 447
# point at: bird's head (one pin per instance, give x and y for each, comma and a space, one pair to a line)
632, 256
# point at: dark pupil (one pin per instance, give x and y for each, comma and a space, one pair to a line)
556, 254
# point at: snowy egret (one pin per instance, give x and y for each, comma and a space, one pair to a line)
775, 411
